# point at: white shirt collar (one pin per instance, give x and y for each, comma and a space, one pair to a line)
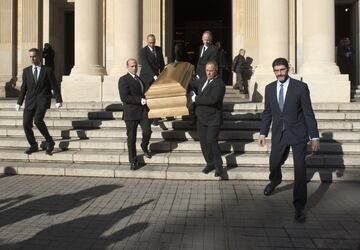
132, 74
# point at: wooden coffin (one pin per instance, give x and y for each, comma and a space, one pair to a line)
166, 97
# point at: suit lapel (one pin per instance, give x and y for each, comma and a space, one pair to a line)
288, 93
41, 77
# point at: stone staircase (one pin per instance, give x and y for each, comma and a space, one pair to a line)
91, 141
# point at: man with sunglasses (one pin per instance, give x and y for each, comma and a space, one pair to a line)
288, 108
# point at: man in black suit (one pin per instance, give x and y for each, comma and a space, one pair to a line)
151, 60
208, 52
209, 102
38, 81
288, 107
135, 111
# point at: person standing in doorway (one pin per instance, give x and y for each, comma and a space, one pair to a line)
207, 52
151, 60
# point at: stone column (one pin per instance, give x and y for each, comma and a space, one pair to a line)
29, 32
126, 43
126, 34
273, 37
88, 38
7, 48
273, 33
318, 68
319, 34
85, 81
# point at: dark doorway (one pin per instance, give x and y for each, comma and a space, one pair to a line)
192, 18
345, 34
69, 41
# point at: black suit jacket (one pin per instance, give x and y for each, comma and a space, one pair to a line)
130, 95
209, 102
150, 65
38, 95
211, 54
297, 118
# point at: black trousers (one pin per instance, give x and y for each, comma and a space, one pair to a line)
210, 148
131, 131
279, 154
35, 116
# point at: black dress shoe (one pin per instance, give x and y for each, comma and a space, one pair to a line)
218, 172
147, 154
207, 169
49, 147
133, 165
300, 216
31, 150
269, 189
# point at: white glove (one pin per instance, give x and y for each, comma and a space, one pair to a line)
17, 107
197, 76
193, 95
193, 98
143, 101
58, 105
155, 77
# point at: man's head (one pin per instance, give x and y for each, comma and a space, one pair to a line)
35, 56
207, 37
242, 52
281, 69
211, 69
131, 65
151, 40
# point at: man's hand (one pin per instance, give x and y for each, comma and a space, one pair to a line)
261, 140
143, 101
58, 105
17, 107
315, 145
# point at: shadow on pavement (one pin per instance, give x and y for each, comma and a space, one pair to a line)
53, 204
85, 232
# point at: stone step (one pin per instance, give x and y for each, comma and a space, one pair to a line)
178, 172
171, 158
158, 145
177, 124
236, 104
227, 115
158, 133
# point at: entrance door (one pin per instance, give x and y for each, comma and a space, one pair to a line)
346, 39
192, 18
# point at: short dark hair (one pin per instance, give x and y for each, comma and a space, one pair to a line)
36, 50
212, 62
280, 61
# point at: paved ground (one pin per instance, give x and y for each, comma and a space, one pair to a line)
39, 212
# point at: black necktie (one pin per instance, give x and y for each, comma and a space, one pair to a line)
35, 74
139, 81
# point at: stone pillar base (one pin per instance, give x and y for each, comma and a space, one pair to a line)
88, 70
82, 88
110, 89
323, 88
327, 88
319, 68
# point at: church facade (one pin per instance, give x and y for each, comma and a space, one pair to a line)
92, 40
